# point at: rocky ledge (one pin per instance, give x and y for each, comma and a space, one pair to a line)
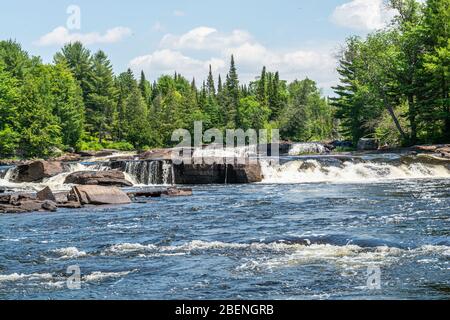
78, 197
101, 178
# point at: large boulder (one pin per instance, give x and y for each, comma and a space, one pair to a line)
217, 173
101, 178
367, 144
97, 195
37, 171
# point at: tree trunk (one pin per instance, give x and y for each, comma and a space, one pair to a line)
394, 117
412, 119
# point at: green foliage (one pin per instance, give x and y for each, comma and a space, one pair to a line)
252, 114
397, 79
307, 116
77, 102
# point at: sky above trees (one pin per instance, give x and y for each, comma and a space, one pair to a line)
297, 37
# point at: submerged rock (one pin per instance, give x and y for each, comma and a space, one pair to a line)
37, 171
101, 178
159, 192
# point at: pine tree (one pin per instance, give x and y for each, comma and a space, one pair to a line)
79, 60
210, 84
232, 96
137, 127
146, 89
101, 101
261, 90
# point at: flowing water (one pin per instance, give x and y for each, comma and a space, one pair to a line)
311, 230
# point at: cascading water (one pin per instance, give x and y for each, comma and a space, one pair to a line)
342, 171
156, 172
56, 183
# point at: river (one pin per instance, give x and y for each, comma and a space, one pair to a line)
310, 230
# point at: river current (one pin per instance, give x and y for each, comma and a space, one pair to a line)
309, 231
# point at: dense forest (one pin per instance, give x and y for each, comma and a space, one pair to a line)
78, 103
395, 83
393, 87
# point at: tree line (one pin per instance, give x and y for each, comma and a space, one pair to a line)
395, 83
78, 103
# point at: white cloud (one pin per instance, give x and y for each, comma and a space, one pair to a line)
61, 36
191, 53
363, 14
167, 61
204, 38
179, 13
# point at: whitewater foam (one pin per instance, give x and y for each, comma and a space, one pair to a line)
307, 148
100, 276
312, 171
69, 253
56, 183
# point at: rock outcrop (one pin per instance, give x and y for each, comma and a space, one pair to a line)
37, 171
98, 195
101, 178
23, 203
217, 173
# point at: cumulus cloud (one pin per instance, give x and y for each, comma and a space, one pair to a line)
205, 38
167, 61
186, 54
61, 35
363, 14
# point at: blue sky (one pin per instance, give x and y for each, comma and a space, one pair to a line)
297, 37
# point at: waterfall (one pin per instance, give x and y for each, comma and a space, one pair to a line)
157, 172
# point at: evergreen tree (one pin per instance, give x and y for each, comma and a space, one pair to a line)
146, 89
210, 84
101, 101
79, 60
232, 96
261, 90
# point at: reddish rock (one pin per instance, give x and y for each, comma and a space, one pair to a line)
37, 171
157, 154
69, 157
98, 195
46, 194
70, 205
49, 206
175, 192
101, 178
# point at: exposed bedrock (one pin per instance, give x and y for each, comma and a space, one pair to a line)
217, 173
101, 178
